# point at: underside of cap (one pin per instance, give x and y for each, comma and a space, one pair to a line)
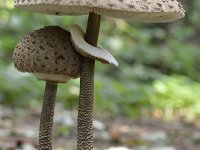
53, 77
137, 10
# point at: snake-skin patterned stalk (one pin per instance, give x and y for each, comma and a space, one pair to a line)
86, 98
85, 110
46, 120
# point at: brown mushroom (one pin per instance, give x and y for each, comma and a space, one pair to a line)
137, 10
49, 54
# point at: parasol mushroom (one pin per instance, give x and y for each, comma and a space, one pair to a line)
52, 59
138, 10
49, 54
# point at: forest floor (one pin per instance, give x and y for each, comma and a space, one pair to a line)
19, 131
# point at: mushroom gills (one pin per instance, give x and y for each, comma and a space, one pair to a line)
87, 50
53, 77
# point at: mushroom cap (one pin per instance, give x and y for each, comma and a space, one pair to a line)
137, 10
48, 53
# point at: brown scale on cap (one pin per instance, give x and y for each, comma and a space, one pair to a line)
47, 51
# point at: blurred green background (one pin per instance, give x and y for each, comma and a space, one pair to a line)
159, 67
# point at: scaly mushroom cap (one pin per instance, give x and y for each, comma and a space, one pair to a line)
137, 10
49, 54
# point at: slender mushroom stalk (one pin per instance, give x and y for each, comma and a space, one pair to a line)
86, 98
47, 114
86, 48
90, 53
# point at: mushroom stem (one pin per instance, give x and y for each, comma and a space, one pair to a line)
86, 98
46, 120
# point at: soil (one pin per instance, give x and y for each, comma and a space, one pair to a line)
19, 130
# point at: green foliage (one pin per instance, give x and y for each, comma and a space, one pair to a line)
159, 63
23, 89
176, 92
18, 89
61, 131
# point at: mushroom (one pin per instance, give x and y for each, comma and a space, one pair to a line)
137, 10
50, 56
54, 60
